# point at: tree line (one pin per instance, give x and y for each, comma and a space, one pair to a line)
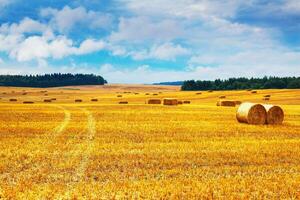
243, 83
51, 80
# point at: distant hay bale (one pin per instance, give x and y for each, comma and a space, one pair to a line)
53, 99
226, 103
47, 101
123, 102
28, 102
275, 114
179, 102
170, 102
119, 96
249, 90
186, 102
94, 100
155, 94
3, 92
237, 102
251, 113
210, 91
266, 98
24, 93
136, 93
13, 100
45, 94
268, 95
154, 101
198, 93
222, 97
253, 92
147, 94
78, 100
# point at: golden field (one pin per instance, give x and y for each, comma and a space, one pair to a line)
103, 150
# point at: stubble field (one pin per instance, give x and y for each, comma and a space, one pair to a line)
104, 150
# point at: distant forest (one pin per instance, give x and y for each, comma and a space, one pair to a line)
169, 83
243, 83
51, 80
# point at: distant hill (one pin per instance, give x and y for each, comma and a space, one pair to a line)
169, 83
51, 80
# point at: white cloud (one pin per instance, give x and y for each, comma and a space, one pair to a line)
141, 29
64, 20
167, 51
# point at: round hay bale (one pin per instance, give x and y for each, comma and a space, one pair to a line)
275, 114
186, 102
28, 102
53, 99
253, 92
94, 100
78, 100
266, 98
237, 102
47, 101
251, 113
123, 102
154, 101
147, 94
119, 96
222, 97
198, 93
226, 103
13, 100
45, 94
170, 102
155, 94
210, 91
179, 102
268, 95
24, 93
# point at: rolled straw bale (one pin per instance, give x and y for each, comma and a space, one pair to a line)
266, 98
13, 100
198, 93
78, 100
154, 101
186, 102
155, 94
47, 100
222, 97
237, 102
119, 96
210, 91
268, 95
136, 93
179, 102
170, 102
226, 103
53, 99
251, 113
24, 93
147, 94
254, 92
94, 100
45, 94
28, 102
123, 102
275, 114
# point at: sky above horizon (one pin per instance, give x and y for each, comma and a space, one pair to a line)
148, 41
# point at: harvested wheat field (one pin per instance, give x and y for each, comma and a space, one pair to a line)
106, 150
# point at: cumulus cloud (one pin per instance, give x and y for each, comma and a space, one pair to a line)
67, 18
167, 51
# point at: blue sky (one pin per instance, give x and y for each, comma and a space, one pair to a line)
143, 41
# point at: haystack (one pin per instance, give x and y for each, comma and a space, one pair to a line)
154, 101
251, 113
94, 100
275, 114
147, 94
13, 100
226, 103
254, 92
28, 102
186, 102
123, 102
210, 91
237, 102
78, 100
47, 100
24, 93
53, 99
222, 97
179, 102
170, 102
119, 96
155, 94
198, 93
268, 95
266, 98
